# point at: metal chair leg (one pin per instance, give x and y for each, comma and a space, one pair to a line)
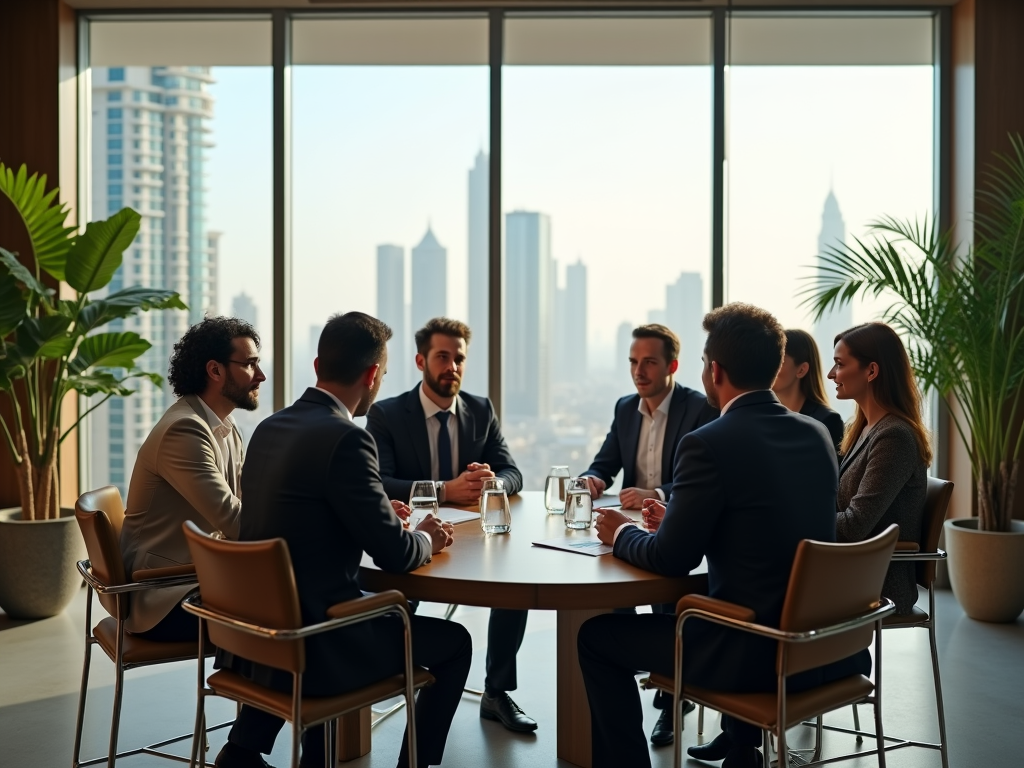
943, 749
115, 719
700, 720
80, 719
450, 611
856, 722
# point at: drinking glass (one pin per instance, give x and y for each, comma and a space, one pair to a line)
422, 501
579, 507
495, 516
554, 490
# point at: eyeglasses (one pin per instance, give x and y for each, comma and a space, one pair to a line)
251, 364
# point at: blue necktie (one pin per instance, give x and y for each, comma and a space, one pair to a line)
444, 447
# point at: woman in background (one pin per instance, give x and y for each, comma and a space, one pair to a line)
801, 387
886, 451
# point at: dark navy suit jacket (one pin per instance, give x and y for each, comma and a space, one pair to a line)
747, 488
399, 426
688, 411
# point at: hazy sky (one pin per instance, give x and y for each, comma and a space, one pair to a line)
620, 158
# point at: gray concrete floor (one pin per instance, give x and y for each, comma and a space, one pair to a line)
40, 668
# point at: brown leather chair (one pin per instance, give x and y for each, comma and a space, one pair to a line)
100, 515
832, 610
249, 603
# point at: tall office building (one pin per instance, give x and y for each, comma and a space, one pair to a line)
623, 341
475, 380
572, 323
391, 309
244, 308
529, 309
150, 128
684, 314
429, 281
832, 235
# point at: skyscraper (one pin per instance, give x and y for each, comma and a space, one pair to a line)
244, 308
391, 309
429, 281
833, 234
529, 306
573, 326
623, 341
684, 313
475, 380
150, 131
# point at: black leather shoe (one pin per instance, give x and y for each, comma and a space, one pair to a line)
743, 757
234, 756
662, 735
500, 707
716, 749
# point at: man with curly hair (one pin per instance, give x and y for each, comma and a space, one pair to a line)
189, 466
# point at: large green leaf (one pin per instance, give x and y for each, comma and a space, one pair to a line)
12, 304
106, 383
43, 215
96, 254
44, 337
22, 274
108, 350
124, 303
9, 371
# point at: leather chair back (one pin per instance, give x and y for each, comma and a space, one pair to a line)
100, 515
936, 505
829, 584
252, 581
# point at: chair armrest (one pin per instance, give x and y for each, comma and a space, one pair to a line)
715, 606
156, 578
149, 574
390, 597
917, 557
908, 546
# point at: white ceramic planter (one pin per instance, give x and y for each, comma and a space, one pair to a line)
986, 569
38, 576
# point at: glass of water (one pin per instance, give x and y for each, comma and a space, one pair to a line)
422, 501
554, 490
579, 507
495, 516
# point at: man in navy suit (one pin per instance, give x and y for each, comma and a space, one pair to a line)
642, 444
435, 432
734, 501
648, 426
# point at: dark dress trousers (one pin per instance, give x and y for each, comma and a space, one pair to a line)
311, 478
688, 411
398, 424
831, 419
883, 481
734, 502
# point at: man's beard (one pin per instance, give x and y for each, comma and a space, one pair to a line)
246, 398
442, 389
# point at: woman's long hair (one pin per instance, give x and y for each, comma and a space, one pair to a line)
895, 388
801, 347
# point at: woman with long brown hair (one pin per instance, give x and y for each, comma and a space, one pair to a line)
800, 385
886, 450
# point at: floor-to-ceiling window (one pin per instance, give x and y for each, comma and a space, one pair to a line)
390, 183
829, 126
606, 205
180, 131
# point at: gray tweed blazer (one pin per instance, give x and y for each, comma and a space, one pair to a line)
881, 482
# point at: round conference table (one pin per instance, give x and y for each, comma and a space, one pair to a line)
508, 571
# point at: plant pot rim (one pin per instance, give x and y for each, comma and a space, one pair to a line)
969, 524
7, 514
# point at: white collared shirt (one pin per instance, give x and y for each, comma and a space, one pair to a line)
222, 435
650, 446
430, 409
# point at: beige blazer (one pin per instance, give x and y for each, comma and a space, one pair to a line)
179, 475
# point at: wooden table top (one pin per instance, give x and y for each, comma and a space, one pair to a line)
507, 571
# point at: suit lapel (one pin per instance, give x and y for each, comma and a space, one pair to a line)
467, 431
631, 437
417, 422
193, 401
676, 416
847, 460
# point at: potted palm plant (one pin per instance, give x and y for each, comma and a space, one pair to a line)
961, 311
52, 347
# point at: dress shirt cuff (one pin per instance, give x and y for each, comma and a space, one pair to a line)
618, 530
661, 494
430, 543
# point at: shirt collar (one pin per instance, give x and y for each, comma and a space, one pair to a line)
221, 429
663, 408
344, 408
729, 405
430, 408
